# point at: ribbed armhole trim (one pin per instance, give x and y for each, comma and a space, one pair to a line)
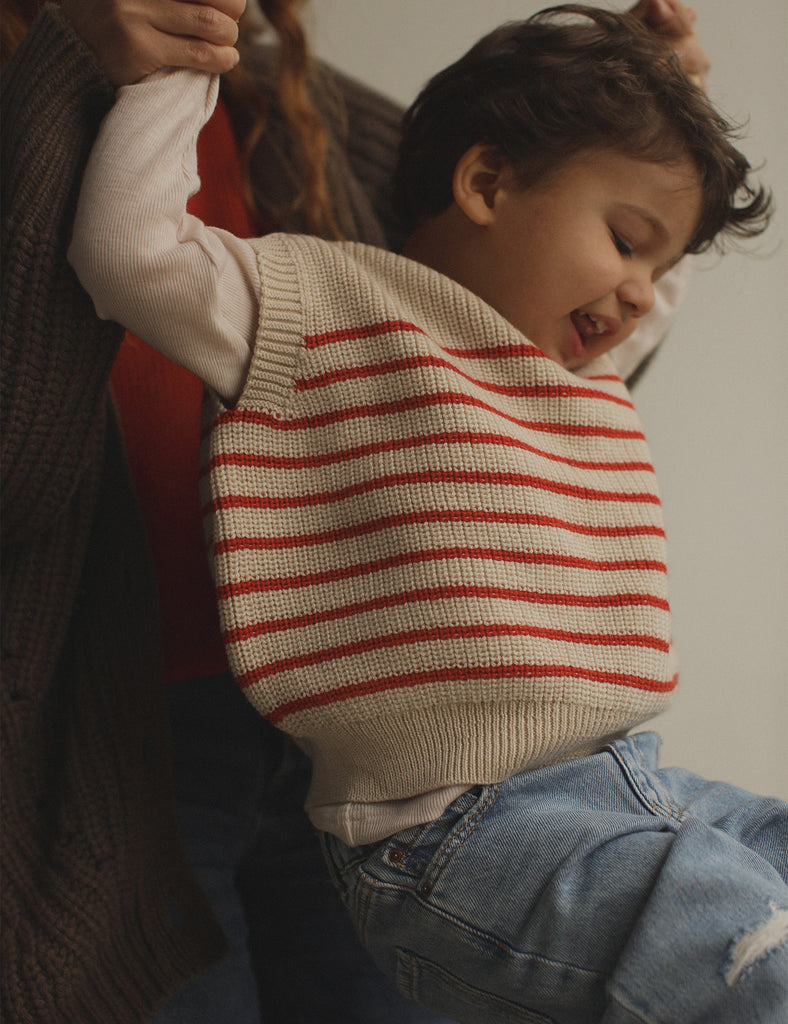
279, 336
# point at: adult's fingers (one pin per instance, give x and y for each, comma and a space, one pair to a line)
674, 21
132, 38
667, 17
184, 52
232, 8
202, 21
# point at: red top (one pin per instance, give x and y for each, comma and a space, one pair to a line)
159, 405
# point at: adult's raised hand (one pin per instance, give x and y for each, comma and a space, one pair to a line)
673, 20
132, 38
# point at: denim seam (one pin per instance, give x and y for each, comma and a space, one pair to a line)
503, 946
411, 969
656, 800
457, 838
415, 842
619, 1000
363, 899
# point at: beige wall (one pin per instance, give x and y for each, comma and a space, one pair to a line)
715, 403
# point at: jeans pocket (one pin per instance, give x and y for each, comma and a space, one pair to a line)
431, 985
343, 861
458, 823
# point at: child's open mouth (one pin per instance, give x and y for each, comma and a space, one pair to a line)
588, 326
589, 329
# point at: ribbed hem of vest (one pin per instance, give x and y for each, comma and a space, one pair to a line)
398, 754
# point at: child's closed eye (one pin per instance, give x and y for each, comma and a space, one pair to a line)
623, 247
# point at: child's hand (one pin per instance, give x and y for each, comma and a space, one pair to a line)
676, 23
132, 38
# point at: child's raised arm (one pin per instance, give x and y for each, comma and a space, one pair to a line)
188, 290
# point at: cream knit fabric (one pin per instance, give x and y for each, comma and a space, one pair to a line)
439, 556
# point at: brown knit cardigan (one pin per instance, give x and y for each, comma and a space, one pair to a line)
102, 920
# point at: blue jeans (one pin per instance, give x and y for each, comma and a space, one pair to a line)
294, 958
603, 889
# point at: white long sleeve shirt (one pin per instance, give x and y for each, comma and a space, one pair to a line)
190, 290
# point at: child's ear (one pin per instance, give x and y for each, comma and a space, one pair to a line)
477, 180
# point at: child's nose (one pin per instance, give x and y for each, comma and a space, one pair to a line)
637, 292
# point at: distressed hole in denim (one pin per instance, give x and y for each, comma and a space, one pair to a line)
748, 949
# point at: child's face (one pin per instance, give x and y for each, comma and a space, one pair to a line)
572, 261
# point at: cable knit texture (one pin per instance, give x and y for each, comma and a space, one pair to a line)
102, 921
439, 556
101, 918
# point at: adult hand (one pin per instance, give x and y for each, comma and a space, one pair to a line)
132, 38
676, 23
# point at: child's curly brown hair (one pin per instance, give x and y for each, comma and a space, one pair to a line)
567, 80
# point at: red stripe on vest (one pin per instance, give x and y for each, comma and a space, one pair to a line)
460, 674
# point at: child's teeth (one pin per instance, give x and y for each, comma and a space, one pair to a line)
588, 325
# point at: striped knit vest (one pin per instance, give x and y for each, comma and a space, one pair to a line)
439, 556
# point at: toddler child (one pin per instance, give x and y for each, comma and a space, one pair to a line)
436, 533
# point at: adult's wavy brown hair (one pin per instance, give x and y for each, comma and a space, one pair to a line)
16, 17
306, 129
567, 80
300, 117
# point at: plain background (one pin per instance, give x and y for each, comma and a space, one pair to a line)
715, 400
